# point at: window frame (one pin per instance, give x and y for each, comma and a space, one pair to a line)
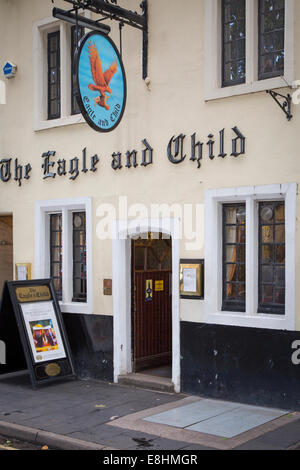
213, 52
252, 195
43, 210
41, 29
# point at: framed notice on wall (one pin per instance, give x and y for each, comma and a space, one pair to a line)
23, 271
34, 327
192, 279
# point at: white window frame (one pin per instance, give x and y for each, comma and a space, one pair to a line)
214, 199
40, 32
213, 52
43, 210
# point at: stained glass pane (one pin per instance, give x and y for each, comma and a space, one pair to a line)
271, 38
54, 75
272, 257
234, 45
234, 257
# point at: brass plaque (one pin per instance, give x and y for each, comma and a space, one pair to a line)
53, 369
33, 294
107, 287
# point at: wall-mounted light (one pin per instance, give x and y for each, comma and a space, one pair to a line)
80, 20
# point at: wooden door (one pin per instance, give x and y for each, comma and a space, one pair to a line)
152, 303
6, 250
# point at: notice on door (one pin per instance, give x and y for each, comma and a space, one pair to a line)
159, 286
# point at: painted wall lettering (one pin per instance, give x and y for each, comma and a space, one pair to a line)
132, 157
9, 168
62, 167
176, 153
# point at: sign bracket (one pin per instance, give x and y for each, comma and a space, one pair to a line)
284, 102
109, 9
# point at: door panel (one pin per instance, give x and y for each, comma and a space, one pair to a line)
152, 309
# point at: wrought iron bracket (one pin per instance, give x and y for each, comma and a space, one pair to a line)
284, 102
109, 9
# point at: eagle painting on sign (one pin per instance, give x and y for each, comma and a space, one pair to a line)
101, 82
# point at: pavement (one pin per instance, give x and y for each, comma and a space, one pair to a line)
92, 415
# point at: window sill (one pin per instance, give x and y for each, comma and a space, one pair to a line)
75, 307
265, 321
246, 88
63, 121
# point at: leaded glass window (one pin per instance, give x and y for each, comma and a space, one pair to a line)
56, 252
271, 38
74, 43
234, 42
54, 75
272, 257
79, 257
234, 257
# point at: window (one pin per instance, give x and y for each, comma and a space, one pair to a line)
79, 257
63, 251
234, 257
56, 253
250, 279
74, 42
234, 42
271, 38
271, 257
54, 91
249, 46
54, 75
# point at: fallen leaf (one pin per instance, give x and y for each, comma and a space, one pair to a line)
45, 448
100, 406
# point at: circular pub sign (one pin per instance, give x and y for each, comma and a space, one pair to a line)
101, 82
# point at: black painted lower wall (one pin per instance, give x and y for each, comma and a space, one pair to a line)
91, 341
246, 365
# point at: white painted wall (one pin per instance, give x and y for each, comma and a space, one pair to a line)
175, 104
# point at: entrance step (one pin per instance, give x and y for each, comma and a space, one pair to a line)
150, 382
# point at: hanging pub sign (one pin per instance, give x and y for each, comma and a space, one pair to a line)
32, 329
101, 82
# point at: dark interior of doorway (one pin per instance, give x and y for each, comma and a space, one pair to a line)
6, 249
152, 305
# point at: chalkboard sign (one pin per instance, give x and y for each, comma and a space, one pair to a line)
32, 329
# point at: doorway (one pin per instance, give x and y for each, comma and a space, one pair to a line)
6, 249
152, 305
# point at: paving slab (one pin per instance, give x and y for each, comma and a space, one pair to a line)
237, 421
184, 416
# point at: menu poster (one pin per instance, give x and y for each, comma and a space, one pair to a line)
43, 331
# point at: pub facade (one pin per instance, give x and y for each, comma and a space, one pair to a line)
172, 237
